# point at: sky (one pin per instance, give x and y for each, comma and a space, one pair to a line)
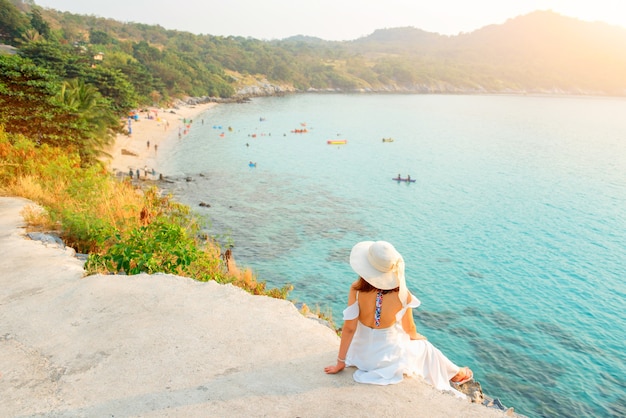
338, 20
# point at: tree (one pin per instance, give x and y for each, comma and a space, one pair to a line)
95, 119
31, 35
26, 106
37, 105
113, 85
137, 74
13, 23
55, 57
39, 24
145, 53
99, 37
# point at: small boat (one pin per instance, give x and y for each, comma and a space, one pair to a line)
387, 139
337, 141
408, 179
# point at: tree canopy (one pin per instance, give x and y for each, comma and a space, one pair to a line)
69, 114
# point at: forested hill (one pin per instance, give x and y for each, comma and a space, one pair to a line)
542, 52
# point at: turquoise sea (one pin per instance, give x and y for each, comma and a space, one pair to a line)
514, 233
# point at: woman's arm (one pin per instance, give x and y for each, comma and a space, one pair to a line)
347, 332
349, 327
408, 324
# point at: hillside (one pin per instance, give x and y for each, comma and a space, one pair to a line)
539, 52
542, 52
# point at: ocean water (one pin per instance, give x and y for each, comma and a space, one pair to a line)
514, 232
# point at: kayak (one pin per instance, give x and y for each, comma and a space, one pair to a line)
336, 141
407, 180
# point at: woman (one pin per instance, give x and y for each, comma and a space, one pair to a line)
379, 336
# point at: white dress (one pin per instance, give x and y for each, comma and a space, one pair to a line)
384, 356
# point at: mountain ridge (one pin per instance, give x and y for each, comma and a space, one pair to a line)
538, 53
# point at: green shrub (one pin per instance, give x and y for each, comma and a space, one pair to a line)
122, 229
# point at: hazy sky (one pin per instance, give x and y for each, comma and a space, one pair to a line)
331, 19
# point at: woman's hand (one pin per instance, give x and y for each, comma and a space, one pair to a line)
417, 336
336, 368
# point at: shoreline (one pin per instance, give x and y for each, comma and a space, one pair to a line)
150, 130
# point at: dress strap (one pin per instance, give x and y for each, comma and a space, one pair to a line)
379, 305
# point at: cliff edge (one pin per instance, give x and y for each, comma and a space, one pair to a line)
162, 345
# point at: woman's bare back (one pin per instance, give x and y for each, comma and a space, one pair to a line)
391, 305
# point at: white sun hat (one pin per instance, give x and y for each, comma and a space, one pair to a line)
381, 265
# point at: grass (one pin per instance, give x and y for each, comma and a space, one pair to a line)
122, 229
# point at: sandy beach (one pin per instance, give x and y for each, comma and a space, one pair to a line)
149, 131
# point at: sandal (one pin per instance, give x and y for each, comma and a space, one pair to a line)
466, 376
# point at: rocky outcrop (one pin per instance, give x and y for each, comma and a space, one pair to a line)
265, 89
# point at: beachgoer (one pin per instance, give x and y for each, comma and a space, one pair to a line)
148, 143
227, 257
156, 147
379, 337
130, 173
227, 254
138, 174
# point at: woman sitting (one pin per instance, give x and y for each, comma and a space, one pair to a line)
379, 336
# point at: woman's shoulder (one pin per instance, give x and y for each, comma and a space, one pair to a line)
353, 294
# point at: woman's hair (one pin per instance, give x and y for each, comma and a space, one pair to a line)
363, 286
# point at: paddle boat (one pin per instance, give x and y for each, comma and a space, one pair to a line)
408, 179
251, 164
337, 141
